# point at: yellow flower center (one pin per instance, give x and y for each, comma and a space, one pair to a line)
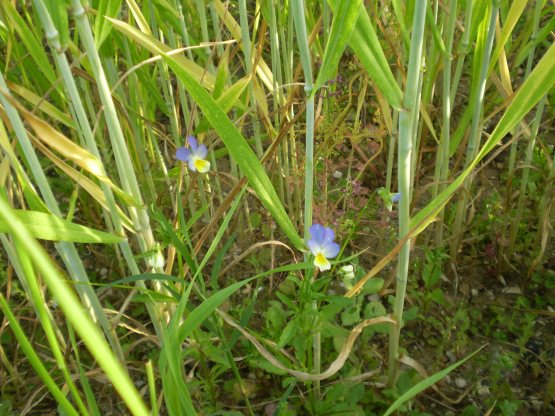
321, 262
202, 165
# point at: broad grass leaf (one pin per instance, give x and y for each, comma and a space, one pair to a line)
74, 311
42, 104
343, 24
226, 101
49, 227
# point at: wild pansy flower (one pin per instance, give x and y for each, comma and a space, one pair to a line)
195, 156
322, 246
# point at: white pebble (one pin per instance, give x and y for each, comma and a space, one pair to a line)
461, 383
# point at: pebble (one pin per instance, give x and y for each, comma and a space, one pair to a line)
337, 174
451, 356
474, 292
483, 391
512, 290
461, 383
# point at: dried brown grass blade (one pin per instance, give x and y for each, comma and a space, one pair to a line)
301, 375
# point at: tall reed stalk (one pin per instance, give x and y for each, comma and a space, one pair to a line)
406, 139
473, 147
297, 8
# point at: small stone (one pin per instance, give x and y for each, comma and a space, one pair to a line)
451, 356
536, 404
474, 292
512, 290
103, 272
461, 383
337, 174
483, 390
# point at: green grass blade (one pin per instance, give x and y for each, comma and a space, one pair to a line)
343, 24
515, 12
427, 382
49, 227
32, 45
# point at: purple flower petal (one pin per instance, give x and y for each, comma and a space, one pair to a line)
329, 235
395, 197
201, 151
193, 144
331, 250
183, 154
316, 232
313, 246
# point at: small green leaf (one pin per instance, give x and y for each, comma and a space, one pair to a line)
372, 286
288, 333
